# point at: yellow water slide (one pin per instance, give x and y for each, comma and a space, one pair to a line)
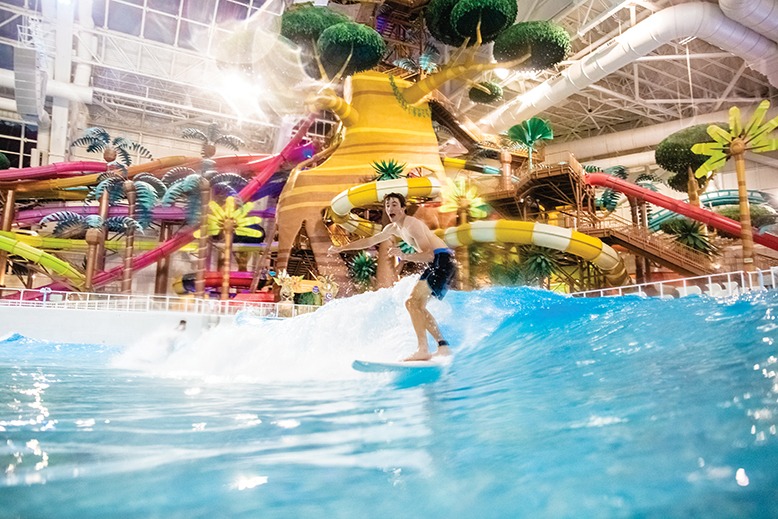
489, 231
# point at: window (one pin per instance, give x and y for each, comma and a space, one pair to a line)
17, 142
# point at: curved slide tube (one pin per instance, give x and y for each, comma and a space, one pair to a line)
721, 223
712, 199
373, 193
44, 259
57, 170
172, 213
265, 168
550, 236
491, 231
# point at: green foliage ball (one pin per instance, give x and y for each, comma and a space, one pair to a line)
303, 25
362, 43
546, 42
438, 19
674, 152
477, 95
494, 17
4, 162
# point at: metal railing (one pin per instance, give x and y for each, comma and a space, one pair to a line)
47, 298
715, 285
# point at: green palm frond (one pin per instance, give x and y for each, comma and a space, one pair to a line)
388, 170
110, 183
406, 64
538, 262
194, 133
363, 268
230, 141
232, 179
182, 188
428, 61
60, 216
690, 234
123, 224
530, 132
177, 173
152, 181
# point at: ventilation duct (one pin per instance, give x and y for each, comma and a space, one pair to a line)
759, 15
702, 20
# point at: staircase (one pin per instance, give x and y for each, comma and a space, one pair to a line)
657, 247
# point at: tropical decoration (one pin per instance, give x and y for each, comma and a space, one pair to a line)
363, 268
332, 45
141, 198
463, 199
211, 138
752, 137
426, 64
674, 154
385, 116
116, 150
388, 170
538, 263
485, 92
691, 234
92, 227
4, 162
544, 43
761, 215
529, 133
230, 219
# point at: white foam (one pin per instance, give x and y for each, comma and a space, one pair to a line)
317, 346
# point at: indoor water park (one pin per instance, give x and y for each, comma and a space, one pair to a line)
416, 258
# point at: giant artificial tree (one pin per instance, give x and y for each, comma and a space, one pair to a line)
734, 143
674, 154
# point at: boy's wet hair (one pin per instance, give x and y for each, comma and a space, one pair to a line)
396, 196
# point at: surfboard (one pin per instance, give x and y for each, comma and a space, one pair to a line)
434, 365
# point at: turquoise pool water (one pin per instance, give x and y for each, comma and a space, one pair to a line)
553, 407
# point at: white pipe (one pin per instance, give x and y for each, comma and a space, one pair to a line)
81, 94
700, 20
759, 15
87, 43
647, 136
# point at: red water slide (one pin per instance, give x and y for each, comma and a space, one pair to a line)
58, 170
715, 220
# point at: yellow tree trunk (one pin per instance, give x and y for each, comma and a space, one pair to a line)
202, 241
738, 148
229, 227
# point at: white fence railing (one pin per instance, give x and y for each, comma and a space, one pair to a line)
47, 298
715, 285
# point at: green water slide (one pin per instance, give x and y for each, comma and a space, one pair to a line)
44, 259
713, 199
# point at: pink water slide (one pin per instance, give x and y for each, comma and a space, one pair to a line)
58, 170
715, 220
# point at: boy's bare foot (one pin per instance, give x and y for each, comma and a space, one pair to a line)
419, 355
443, 351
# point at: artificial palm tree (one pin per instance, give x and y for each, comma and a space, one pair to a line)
141, 197
529, 133
463, 199
115, 149
91, 228
231, 220
691, 234
753, 137
212, 137
195, 190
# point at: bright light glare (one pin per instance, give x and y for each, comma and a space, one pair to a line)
501, 73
